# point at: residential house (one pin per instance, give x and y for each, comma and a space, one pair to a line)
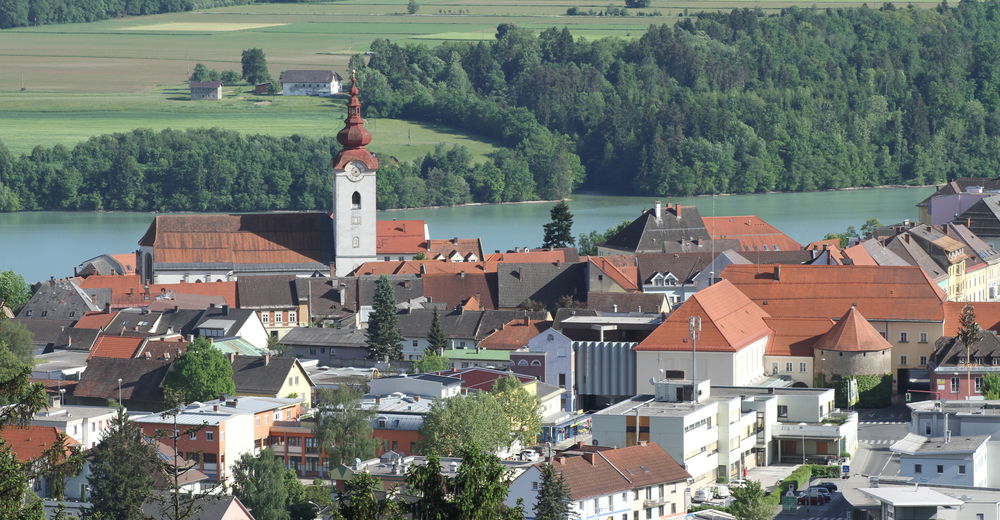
268, 376
45, 332
139, 383
401, 240
275, 300
640, 481
545, 284
201, 90
753, 233
214, 438
905, 500
954, 198
117, 347
431, 386
470, 358
948, 460
957, 370
62, 300
674, 228
397, 421
983, 218
789, 354
464, 329
131, 291
612, 274
333, 347
106, 265
226, 322
627, 302
209, 508
86, 425
296, 82
515, 334
455, 250
28, 445
60, 365
455, 289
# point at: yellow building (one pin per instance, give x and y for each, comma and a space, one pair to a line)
267, 376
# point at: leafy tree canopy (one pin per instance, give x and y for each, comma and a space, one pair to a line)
260, 483
343, 428
14, 291
202, 373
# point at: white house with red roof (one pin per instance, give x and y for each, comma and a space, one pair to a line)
730, 346
641, 481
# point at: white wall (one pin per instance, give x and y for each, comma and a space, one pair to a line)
253, 331
559, 360
350, 224
950, 468
239, 440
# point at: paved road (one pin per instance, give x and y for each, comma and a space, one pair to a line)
877, 430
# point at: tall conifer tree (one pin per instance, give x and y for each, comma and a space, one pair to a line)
383, 325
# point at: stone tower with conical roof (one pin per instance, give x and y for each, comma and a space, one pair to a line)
852, 347
354, 171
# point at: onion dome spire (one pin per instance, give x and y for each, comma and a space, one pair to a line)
354, 133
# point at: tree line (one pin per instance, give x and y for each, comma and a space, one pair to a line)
23, 13
735, 102
223, 170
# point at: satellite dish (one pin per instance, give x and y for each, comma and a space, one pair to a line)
652, 380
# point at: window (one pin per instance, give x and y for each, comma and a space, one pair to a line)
923, 337
292, 316
562, 380
192, 436
802, 367
904, 337
954, 385
536, 363
209, 435
356, 242
415, 343
356, 201
961, 469
534, 485
918, 468
940, 469
923, 360
903, 360
649, 514
265, 317
788, 367
649, 493
597, 504
45, 313
782, 411
979, 384
774, 368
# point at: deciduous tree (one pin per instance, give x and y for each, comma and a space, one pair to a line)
202, 373
750, 503
14, 291
358, 501
343, 428
456, 422
254, 66
522, 410
259, 482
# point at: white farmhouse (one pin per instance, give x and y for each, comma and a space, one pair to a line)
310, 82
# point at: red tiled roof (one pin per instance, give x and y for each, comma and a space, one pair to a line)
611, 471
270, 238
482, 378
852, 333
828, 291
120, 347
624, 274
859, 255
156, 349
795, 336
730, 322
127, 261
423, 267
30, 442
528, 257
400, 237
463, 246
753, 232
128, 290
987, 316
95, 320
514, 334
820, 245
53, 386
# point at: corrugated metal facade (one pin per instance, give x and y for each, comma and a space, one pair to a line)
605, 367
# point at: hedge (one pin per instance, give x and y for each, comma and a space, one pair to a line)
800, 479
874, 391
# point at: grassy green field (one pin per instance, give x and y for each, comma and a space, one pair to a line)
63, 83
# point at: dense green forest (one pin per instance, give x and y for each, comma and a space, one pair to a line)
22, 13
222, 170
738, 102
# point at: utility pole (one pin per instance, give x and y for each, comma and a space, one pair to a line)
694, 330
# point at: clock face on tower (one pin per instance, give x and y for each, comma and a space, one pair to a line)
353, 170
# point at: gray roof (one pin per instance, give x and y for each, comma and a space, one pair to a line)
983, 217
44, 332
131, 321
625, 302
101, 265
973, 242
542, 282
267, 292
77, 339
881, 254
649, 234
948, 351
308, 76
261, 375
914, 444
913, 254
59, 360
476, 325
217, 317
683, 266
361, 289
180, 321
325, 337
62, 300
211, 507
444, 380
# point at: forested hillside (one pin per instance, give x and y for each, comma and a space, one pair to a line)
22, 13
739, 102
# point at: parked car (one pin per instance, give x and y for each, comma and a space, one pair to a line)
530, 455
821, 491
702, 495
830, 486
721, 491
806, 499
737, 483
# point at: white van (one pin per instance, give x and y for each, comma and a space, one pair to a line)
702, 495
721, 491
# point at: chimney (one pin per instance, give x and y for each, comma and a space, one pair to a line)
166, 355
107, 307
526, 321
614, 307
225, 310
777, 273
211, 305
215, 408
232, 357
643, 443
560, 460
590, 457
147, 355
416, 398
454, 241
267, 359
658, 210
131, 291
677, 210
378, 400
461, 274
69, 341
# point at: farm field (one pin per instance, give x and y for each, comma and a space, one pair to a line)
64, 83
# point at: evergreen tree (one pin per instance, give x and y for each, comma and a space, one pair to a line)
343, 428
554, 499
122, 468
259, 482
202, 373
969, 332
559, 232
254, 66
437, 341
412, 7
15, 489
383, 324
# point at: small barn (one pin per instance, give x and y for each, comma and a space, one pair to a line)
310, 82
205, 90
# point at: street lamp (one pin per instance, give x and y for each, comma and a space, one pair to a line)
119, 390
802, 430
62, 397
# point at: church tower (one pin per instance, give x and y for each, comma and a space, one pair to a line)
354, 192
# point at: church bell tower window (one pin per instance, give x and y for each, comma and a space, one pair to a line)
356, 201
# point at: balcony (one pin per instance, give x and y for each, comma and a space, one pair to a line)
835, 426
653, 502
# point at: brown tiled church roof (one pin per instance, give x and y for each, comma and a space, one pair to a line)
852, 333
